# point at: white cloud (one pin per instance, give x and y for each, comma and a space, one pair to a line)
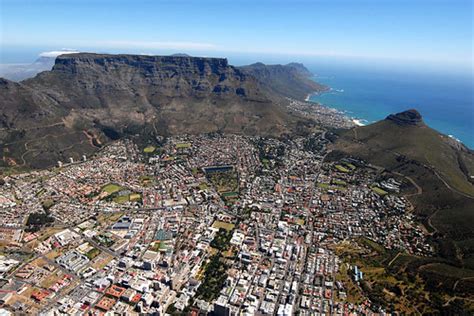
56, 53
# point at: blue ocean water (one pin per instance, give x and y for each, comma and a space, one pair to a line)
445, 101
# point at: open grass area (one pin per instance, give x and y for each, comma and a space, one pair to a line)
224, 225
183, 145
91, 254
111, 188
120, 199
149, 149
339, 182
327, 186
225, 181
135, 197
373, 245
353, 292
379, 191
203, 186
341, 168
164, 246
47, 232
38, 262
378, 284
230, 194
108, 218
323, 185
47, 204
132, 197
349, 165
266, 163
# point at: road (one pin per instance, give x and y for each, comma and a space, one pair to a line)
309, 216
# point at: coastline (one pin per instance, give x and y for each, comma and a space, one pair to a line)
355, 120
361, 121
356, 99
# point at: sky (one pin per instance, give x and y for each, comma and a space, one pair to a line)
433, 33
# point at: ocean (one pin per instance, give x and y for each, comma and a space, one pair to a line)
445, 101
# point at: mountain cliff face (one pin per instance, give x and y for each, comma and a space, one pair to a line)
406, 118
90, 79
21, 104
89, 99
291, 80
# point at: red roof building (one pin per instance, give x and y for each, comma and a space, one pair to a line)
115, 291
106, 303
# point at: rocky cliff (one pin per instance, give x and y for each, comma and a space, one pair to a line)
291, 80
409, 117
21, 104
89, 99
95, 76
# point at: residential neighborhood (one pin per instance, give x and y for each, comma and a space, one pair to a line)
220, 224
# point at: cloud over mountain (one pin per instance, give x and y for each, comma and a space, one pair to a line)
56, 53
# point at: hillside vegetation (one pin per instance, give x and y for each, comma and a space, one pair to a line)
441, 167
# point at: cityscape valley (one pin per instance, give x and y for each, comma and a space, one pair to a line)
236, 158
219, 223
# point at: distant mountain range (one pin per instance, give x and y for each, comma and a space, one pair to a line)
290, 80
18, 72
45, 61
89, 99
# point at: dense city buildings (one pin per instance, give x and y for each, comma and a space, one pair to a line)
227, 224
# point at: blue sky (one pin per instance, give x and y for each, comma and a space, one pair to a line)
434, 32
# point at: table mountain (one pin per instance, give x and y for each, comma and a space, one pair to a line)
89, 99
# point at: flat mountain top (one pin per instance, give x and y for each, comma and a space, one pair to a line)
131, 57
89, 99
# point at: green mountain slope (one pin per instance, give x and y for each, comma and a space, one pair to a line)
438, 172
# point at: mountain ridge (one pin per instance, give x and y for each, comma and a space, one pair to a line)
94, 96
291, 80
